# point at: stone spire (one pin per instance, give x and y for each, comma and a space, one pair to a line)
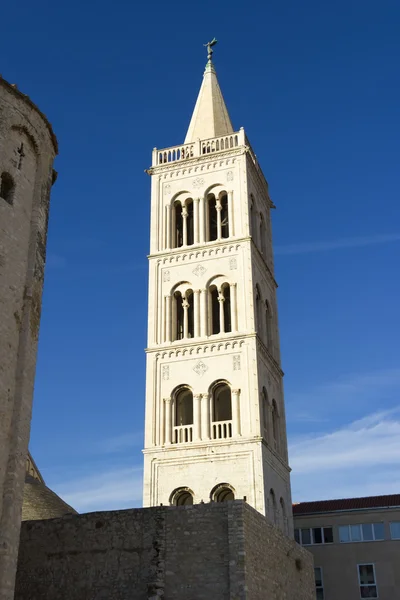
210, 117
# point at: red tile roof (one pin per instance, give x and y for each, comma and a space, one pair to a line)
322, 506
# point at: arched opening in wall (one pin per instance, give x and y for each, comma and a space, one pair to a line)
226, 292
224, 215
189, 222
190, 313
184, 407
272, 506
283, 515
253, 227
265, 409
263, 236
275, 425
214, 298
212, 218
179, 315
223, 492
258, 311
178, 225
7, 188
268, 326
182, 497
222, 402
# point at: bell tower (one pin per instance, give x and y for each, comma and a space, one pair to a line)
215, 416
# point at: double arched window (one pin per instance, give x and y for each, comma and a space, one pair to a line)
217, 217
220, 300
183, 223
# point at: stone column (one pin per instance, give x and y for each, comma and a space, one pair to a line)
205, 417
197, 417
184, 219
236, 413
234, 313
196, 299
221, 301
168, 318
230, 213
168, 226
168, 428
219, 228
203, 313
196, 224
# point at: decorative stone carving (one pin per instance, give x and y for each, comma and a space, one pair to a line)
236, 362
167, 189
232, 264
229, 176
198, 182
200, 368
165, 372
199, 270
166, 275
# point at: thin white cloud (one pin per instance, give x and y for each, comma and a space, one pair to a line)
355, 242
120, 443
359, 459
110, 490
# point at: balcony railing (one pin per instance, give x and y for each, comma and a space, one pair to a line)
183, 434
221, 430
199, 148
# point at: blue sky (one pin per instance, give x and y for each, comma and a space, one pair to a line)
316, 87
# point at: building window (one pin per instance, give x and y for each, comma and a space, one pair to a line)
315, 535
275, 425
367, 579
363, 532
178, 241
265, 409
223, 492
224, 216
7, 188
189, 223
221, 317
183, 416
272, 506
181, 497
212, 218
395, 530
319, 584
221, 412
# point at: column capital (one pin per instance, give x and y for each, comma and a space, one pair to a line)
236, 391
196, 199
197, 396
167, 400
184, 212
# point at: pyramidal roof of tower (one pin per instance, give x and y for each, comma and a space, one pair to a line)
210, 117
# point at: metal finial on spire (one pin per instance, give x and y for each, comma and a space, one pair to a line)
209, 46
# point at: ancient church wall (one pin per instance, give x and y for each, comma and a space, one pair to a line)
27, 150
220, 550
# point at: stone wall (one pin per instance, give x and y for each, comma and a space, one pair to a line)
27, 150
225, 551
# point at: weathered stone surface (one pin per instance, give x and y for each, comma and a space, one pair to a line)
27, 150
226, 551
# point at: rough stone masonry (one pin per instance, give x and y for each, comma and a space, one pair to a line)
224, 551
27, 150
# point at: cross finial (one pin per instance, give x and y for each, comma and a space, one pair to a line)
209, 46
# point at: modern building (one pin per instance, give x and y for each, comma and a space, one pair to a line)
215, 415
356, 546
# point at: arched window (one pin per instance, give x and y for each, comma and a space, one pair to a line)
179, 315
283, 515
184, 407
178, 240
189, 223
258, 311
265, 410
275, 425
268, 326
222, 402
223, 492
188, 303
212, 218
253, 226
181, 497
226, 295
272, 506
263, 236
214, 297
224, 216
7, 188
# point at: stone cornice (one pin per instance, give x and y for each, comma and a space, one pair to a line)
201, 248
200, 345
196, 160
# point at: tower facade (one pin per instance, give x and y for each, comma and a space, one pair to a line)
215, 416
27, 150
